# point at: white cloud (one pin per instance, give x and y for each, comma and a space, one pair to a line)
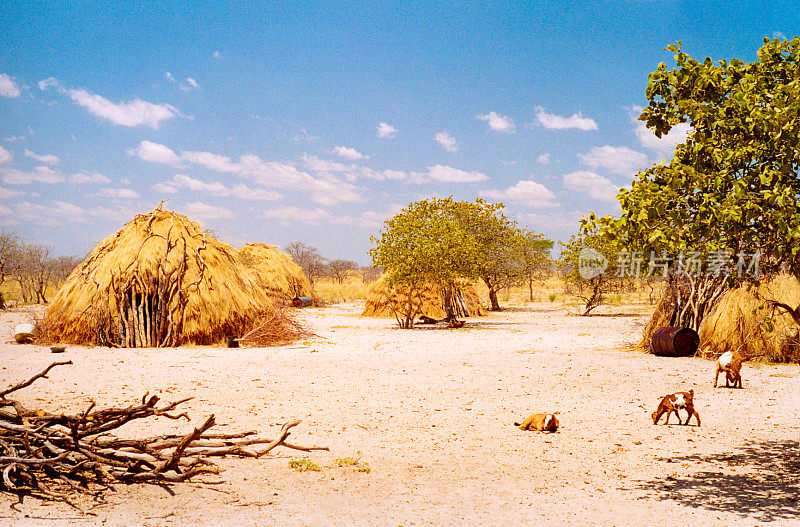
50, 215
241, 191
166, 187
5, 155
47, 158
7, 193
665, 145
211, 161
122, 193
525, 192
327, 189
256, 194
204, 211
155, 153
190, 82
50, 82
82, 178
316, 164
8, 88
386, 130
497, 122
446, 174
216, 189
349, 153
41, 174
133, 113
595, 185
544, 159
447, 141
556, 122
292, 214
620, 160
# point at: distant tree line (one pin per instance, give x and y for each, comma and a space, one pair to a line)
31, 269
316, 266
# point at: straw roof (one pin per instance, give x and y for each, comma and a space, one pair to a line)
276, 271
160, 281
737, 321
381, 298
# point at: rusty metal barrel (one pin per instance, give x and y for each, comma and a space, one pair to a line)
674, 342
302, 301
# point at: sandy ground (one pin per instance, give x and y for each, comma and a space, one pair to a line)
430, 411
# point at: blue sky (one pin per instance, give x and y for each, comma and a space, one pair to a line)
317, 121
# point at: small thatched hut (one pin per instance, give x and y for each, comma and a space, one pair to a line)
283, 279
381, 298
738, 321
160, 281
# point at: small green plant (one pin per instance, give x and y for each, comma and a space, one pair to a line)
345, 462
304, 465
353, 462
552, 297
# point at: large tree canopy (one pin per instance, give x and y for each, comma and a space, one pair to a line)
733, 185
443, 240
731, 190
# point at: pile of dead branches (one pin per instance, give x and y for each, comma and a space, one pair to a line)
57, 456
275, 329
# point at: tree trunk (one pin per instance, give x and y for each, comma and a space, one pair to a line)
448, 302
492, 294
493, 300
530, 290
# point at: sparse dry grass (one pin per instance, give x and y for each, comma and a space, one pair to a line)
332, 292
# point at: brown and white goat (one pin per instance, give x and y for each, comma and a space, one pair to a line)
674, 402
730, 362
540, 422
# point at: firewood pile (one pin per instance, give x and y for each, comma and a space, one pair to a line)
58, 456
275, 329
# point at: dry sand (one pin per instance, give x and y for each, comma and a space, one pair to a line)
430, 411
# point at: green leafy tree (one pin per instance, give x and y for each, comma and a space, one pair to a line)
426, 242
537, 263
731, 190
501, 246
591, 290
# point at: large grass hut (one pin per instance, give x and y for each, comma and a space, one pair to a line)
746, 320
283, 279
382, 299
162, 280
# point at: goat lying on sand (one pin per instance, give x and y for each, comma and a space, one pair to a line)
672, 403
731, 363
540, 422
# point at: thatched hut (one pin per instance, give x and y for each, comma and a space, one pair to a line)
160, 281
277, 273
382, 298
740, 322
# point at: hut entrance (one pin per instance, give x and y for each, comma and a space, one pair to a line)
142, 320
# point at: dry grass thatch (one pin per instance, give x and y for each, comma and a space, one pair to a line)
276, 271
160, 281
381, 300
738, 322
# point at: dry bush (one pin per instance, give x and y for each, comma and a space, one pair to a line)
275, 329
